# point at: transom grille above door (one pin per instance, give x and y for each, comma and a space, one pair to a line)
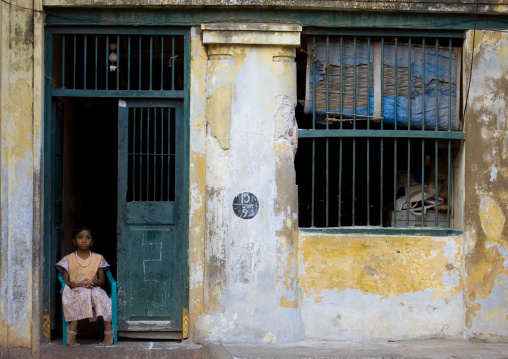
118, 62
151, 154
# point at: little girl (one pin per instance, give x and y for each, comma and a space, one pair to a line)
83, 297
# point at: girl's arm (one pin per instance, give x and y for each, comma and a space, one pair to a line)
65, 276
101, 277
71, 285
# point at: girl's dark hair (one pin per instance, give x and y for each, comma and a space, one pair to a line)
80, 228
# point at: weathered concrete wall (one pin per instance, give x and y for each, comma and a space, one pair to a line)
381, 286
436, 6
486, 183
250, 264
20, 182
197, 177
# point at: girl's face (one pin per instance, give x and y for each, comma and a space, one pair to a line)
83, 240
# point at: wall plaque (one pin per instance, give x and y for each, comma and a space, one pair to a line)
246, 205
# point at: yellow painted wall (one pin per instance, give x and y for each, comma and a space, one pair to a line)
367, 284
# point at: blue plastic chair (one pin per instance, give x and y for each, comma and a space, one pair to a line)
112, 295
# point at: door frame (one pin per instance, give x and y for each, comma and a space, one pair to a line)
51, 92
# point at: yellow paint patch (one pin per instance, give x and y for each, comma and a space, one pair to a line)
384, 266
283, 146
288, 303
492, 218
401, 304
318, 299
218, 114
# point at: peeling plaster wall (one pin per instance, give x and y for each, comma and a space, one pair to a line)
197, 177
486, 208
250, 264
20, 182
370, 287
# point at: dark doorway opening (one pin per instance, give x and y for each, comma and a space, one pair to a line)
89, 178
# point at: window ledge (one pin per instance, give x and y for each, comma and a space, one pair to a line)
422, 231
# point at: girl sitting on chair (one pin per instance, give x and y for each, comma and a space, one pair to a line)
82, 296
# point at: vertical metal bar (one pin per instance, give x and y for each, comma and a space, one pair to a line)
139, 60
448, 201
340, 140
436, 128
148, 154
85, 43
368, 127
353, 214
313, 140
96, 56
162, 63
141, 156
154, 173
396, 94
172, 63
118, 62
409, 85
423, 129
423, 182
436, 169
134, 155
354, 84
129, 62
162, 154
449, 84
151, 60
63, 61
327, 144
75, 60
381, 143
408, 128
408, 179
107, 62
169, 153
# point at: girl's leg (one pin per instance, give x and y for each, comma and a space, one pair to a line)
72, 331
109, 332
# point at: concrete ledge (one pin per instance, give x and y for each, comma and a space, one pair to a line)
428, 348
429, 6
214, 350
252, 34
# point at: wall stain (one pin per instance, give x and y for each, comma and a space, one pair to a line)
385, 266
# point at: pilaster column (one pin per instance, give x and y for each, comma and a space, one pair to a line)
251, 289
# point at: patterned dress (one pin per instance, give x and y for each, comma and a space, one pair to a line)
79, 303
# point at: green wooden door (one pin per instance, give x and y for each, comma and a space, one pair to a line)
151, 270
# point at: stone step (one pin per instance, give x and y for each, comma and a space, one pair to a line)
88, 349
428, 348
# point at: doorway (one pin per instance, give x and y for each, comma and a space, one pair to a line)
89, 172
120, 166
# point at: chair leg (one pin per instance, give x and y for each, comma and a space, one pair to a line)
101, 329
65, 325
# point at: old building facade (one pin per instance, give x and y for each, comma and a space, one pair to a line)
232, 158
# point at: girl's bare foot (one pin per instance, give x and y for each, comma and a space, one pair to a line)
109, 333
71, 337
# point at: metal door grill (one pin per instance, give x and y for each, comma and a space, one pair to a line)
380, 127
123, 62
151, 155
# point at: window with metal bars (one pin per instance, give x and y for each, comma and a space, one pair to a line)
379, 131
151, 155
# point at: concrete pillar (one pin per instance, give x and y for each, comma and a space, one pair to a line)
251, 291
20, 182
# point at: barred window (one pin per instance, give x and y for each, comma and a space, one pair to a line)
379, 131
